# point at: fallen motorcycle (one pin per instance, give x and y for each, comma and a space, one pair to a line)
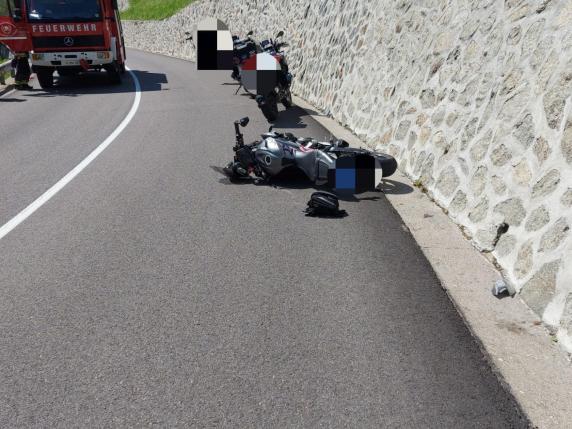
333, 164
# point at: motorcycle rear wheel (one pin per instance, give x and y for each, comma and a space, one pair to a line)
270, 107
287, 99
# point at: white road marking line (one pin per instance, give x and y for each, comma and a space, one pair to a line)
47, 196
12, 91
8, 93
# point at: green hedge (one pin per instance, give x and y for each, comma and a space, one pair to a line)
153, 9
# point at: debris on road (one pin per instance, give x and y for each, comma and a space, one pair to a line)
324, 204
500, 289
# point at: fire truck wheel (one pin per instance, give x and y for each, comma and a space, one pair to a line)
45, 78
114, 73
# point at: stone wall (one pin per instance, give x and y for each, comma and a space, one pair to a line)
472, 96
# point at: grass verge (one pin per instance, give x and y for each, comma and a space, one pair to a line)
153, 9
3, 74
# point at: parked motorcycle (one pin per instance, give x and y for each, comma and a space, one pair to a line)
276, 152
281, 79
282, 90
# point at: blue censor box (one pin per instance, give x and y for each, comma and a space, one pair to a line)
345, 178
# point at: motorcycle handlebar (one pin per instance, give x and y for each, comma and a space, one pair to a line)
238, 134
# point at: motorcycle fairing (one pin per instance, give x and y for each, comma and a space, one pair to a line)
275, 154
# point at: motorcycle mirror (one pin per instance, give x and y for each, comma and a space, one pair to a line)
187, 33
250, 33
280, 34
244, 121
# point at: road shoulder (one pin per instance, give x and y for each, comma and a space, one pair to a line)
520, 350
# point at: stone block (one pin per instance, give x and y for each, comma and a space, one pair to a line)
402, 129
505, 245
566, 144
566, 198
541, 149
480, 149
498, 185
555, 99
523, 263
469, 132
512, 210
524, 131
500, 155
427, 98
547, 184
478, 181
479, 212
555, 235
448, 181
537, 219
522, 173
531, 37
514, 104
539, 290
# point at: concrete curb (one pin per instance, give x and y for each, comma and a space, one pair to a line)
520, 350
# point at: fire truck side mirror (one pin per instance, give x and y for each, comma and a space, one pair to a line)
115, 5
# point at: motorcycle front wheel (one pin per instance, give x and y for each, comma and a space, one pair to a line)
235, 171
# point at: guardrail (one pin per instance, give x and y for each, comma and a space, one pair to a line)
5, 67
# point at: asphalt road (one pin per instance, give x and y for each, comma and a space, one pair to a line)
152, 292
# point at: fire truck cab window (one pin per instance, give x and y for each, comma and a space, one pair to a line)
10, 8
64, 10
4, 11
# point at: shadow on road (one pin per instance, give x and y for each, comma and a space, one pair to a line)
11, 100
395, 188
98, 83
291, 118
295, 179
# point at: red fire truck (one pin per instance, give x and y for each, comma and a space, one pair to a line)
67, 36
